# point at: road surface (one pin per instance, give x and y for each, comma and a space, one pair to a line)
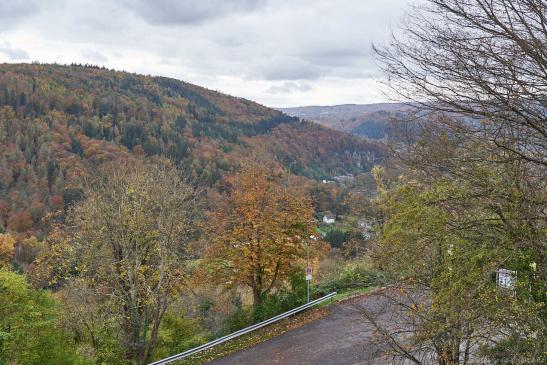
343, 337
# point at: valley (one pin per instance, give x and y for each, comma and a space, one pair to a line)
159, 206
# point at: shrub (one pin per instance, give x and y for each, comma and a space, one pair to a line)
350, 276
177, 334
29, 326
285, 299
336, 237
239, 319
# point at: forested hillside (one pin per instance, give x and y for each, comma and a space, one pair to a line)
58, 121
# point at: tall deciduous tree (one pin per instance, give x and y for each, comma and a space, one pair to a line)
7, 249
133, 230
448, 246
449, 233
261, 232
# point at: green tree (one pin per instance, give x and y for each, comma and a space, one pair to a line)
446, 242
474, 198
29, 326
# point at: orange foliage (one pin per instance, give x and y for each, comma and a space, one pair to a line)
7, 248
81, 117
56, 201
20, 222
261, 232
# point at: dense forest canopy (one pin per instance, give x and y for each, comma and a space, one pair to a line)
58, 121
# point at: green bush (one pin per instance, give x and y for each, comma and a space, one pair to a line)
107, 348
273, 304
29, 326
336, 237
516, 349
351, 276
241, 318
177, 334
285, 299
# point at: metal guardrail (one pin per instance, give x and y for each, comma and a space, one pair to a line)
243, 331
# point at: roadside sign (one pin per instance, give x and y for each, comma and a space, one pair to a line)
506, 278
308, 273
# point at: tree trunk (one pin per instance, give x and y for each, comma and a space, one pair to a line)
257, 298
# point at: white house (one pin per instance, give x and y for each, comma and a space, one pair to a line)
366, 228
329, 218
363, 224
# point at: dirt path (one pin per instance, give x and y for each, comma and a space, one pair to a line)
343, 337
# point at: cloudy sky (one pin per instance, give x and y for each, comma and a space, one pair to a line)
277, 52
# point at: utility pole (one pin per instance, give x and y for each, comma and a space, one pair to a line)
308, 274
308, 270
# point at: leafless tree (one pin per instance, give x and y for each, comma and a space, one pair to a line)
476, 71
133, 230
484, 60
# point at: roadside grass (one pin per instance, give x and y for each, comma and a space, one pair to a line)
276, 329
353, 292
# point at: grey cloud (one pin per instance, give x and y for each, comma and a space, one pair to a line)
228, 41
335, 56
94, 56
288, 87
285, 68
13, 53
15, 10
314, 64
176, 12
271, 51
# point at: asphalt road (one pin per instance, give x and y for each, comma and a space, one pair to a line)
343, 337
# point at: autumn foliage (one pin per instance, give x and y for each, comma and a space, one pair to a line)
7, 248
59, 122
261, 232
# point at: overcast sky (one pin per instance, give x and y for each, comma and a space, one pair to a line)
276, 52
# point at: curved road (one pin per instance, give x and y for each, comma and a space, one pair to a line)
343, 337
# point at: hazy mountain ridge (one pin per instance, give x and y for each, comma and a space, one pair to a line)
365, 120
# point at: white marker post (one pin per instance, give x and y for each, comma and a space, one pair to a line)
308, 271
308, 279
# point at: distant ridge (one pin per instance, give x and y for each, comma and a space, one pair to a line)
365, 120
